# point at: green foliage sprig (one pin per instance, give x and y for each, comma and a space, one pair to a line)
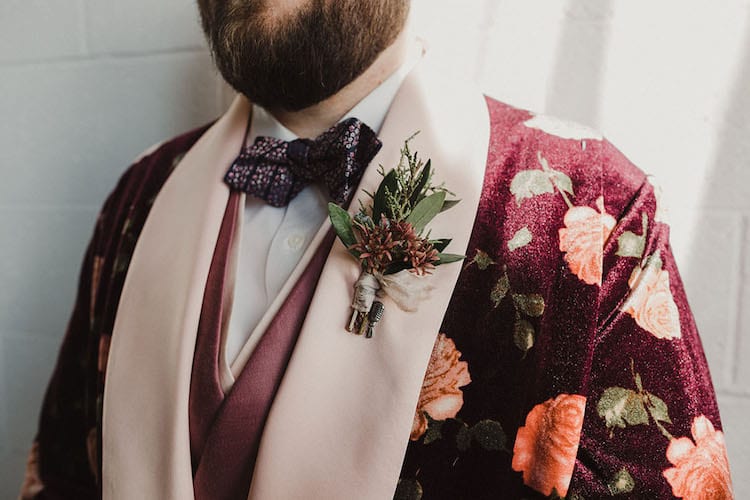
389, 235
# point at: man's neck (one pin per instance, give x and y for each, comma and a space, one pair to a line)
314, 120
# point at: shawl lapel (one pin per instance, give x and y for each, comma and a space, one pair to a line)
340, 422
145, 445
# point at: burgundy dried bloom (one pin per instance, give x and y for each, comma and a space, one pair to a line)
375, 245
417, 251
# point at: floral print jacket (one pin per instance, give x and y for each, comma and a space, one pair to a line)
568, 364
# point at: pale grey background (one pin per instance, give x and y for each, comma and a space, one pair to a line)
85, 85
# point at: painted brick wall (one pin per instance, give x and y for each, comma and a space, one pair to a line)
85, 85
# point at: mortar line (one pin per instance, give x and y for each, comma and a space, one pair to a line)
734, 343
102, 57
83, 17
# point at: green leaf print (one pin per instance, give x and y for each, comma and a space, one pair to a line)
500, 290
530, 183
630, 244
482, 260
622, 482
408, 489
620, 407
523, 335
521, 238
489, 435
531, 304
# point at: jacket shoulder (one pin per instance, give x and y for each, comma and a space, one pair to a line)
523, 140
152, 167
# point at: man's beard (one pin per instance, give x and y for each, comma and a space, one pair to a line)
292, 61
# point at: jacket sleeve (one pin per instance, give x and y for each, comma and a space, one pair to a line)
60, 461
651, 425
63, 461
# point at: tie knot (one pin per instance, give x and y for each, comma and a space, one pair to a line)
277, 170
298, 150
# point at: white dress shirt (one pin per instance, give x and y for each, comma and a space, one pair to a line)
274, 238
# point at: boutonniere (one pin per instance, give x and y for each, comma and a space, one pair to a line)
389, 239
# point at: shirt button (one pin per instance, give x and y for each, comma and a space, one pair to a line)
295, 241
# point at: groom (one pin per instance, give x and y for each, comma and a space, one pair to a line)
208, 357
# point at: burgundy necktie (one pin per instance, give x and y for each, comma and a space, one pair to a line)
276, 171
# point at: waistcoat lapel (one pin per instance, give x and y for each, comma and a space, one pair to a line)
340, 423
146, 449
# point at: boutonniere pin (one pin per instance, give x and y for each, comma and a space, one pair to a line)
390, 240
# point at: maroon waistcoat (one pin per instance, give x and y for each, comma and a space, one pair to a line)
225, 429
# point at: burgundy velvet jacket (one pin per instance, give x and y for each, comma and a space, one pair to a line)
568, 363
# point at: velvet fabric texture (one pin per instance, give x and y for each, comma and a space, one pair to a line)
567, 345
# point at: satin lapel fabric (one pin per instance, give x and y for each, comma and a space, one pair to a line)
145, 443
340, 422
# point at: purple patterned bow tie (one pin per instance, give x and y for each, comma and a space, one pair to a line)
277, 170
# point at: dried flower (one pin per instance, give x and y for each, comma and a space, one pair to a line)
374, 245
418, 252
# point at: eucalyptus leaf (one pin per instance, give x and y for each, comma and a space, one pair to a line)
447, 258
426, 210
379, 205
424, 176
449, 204
440, 244
342, 223
395, 267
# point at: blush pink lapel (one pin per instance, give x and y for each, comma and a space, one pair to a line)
341, 420
146, 449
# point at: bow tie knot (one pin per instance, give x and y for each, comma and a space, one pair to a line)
277, 170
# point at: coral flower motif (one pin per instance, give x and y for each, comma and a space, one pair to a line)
546, 446
32, 484
650, 302
582, 239
701, 468
441, 397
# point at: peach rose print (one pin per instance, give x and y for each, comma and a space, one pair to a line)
546, 446
701, 468
582, 239
441, 397
32, 484
650, 302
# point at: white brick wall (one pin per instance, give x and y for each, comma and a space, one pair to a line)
85, 85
